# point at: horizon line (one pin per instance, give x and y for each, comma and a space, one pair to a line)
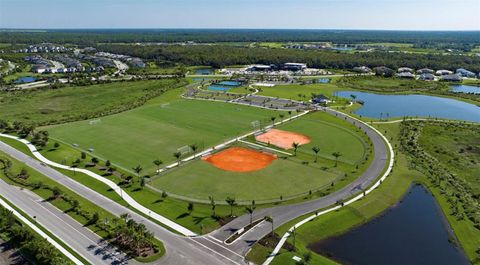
188, 28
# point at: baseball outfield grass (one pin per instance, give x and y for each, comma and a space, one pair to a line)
290, 175
158, 129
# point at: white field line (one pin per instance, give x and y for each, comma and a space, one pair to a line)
42, 234
356, 198
265, 147
180, 229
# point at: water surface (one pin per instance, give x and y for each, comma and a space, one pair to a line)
466, 89
395, 106
414, 232
25, 79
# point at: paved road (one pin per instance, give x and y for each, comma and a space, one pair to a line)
284, 214
77, 237
180, 250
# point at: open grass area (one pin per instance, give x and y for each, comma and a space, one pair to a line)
381, 84
456, 148
157, 130
331, 135
299, 91
49, 106
284, 177
291, 175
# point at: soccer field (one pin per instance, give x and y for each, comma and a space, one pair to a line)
158, 129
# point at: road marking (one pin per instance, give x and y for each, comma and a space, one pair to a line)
222, 246
214, 251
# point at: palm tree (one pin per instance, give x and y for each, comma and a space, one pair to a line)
270, 220
137, 170
142, 182
281, 117
190, 208
273, 119
157, 162
336, 155
294, 234
213, 204
232, 203
316, 149
194, 148
177, 155
295, 147
250, 209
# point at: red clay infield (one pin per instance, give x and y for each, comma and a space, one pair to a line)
282, 139
239, 159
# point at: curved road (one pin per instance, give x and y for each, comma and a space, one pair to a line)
210, 249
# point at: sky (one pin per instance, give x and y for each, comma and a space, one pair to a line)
265, 14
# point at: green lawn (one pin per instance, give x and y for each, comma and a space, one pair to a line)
331, 135
298, 91
200, 180
47, 106
159, 128
290, 175
456, 148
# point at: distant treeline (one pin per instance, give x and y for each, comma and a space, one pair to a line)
220, 56
90, 37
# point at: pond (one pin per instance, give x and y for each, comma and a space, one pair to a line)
412, 232
466, 89
323, 80
25, 79
390, 106
224, 85
204, 71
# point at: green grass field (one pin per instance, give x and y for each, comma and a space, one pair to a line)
331, 135
158, 129
42, 106
284, 177
456, 148
299, 92
290, 175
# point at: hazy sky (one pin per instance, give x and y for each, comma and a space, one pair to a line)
317, 14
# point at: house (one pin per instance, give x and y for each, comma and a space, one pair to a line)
294, 66
39, 68
406, 75
427, 77
362, 69
465, 73
383, 71
321, 99
425, 71
451, 78
443, 72
405, 70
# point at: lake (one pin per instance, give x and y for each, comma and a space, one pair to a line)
412, 232
466, 89
390, 106
25, 79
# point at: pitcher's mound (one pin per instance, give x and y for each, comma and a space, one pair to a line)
282, 139
239, 159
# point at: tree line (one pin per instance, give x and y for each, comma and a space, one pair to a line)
93, 36
219, 56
